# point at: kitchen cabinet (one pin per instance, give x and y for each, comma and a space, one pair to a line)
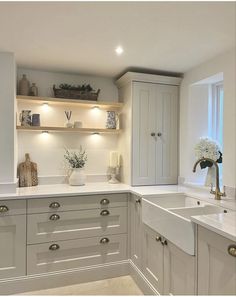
154, 131
12, 244
136, 230
216, 264
167, 268
153, 260
179, 271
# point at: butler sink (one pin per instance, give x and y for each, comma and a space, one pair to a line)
171, 217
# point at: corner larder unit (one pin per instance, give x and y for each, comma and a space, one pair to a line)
150, 133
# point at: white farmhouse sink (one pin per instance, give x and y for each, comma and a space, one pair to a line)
171, 217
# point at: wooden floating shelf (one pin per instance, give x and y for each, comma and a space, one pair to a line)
70, 130
70, 102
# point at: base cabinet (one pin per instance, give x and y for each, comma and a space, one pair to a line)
167, 268
152, 262
12, 246
179, 271
216, 266
136, 231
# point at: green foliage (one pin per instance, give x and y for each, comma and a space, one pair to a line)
76, 160
83, 88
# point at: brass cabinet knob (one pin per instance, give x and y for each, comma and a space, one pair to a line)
54, 247
104, 212
232, 250
104, 201
3, 208
159, 134
138, 200
158, 238
54, 205
153, 134
104, 240
54, 217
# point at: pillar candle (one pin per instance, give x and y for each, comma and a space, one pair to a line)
113, 159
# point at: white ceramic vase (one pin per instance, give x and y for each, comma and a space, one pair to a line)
77, 177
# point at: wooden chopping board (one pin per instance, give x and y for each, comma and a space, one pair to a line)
27, 173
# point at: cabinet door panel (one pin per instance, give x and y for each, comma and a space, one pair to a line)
179, 271
216, 268
153, 259
167, 142
12, 246
143, 171
136, 233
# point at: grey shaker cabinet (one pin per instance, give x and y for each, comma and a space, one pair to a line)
216, 266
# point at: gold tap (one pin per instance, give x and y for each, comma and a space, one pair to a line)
218, 194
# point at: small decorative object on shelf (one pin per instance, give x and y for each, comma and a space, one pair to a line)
27, 173
78, 124
68, 124
84, 92
114, 167
77, 161
112, 120
36, 119
33, 91
208, 148
25, 118
24, 86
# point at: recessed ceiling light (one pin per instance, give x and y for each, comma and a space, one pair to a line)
119, 50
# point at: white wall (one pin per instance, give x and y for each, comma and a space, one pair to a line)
7, 123
45, 81
225, 63
197, 123
48, 150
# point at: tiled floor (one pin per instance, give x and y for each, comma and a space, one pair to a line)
114, 286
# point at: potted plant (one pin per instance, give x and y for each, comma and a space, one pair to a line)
76, 161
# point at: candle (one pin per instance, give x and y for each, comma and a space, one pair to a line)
113, 159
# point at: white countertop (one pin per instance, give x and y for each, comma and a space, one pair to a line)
223, 224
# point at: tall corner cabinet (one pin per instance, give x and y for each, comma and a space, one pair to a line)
154, 127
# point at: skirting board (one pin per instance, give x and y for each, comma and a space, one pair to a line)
141, 281
64, 278
76, 276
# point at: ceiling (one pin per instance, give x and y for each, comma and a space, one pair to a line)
81, 37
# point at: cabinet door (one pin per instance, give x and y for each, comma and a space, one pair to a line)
179, 271
167, 134
12, 246
144, 113
153, 253
216, 267
136, 231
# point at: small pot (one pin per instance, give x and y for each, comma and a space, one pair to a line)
77, 177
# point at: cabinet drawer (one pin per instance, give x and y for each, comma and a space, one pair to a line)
61, 255
76, 203
12, 207
46, 227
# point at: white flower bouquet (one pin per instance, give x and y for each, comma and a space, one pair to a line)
207, 148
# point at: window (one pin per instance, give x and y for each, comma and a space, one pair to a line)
215, 124
216, 113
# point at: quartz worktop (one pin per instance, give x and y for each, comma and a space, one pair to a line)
223, 224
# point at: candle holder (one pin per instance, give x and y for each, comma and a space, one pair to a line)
114, 171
